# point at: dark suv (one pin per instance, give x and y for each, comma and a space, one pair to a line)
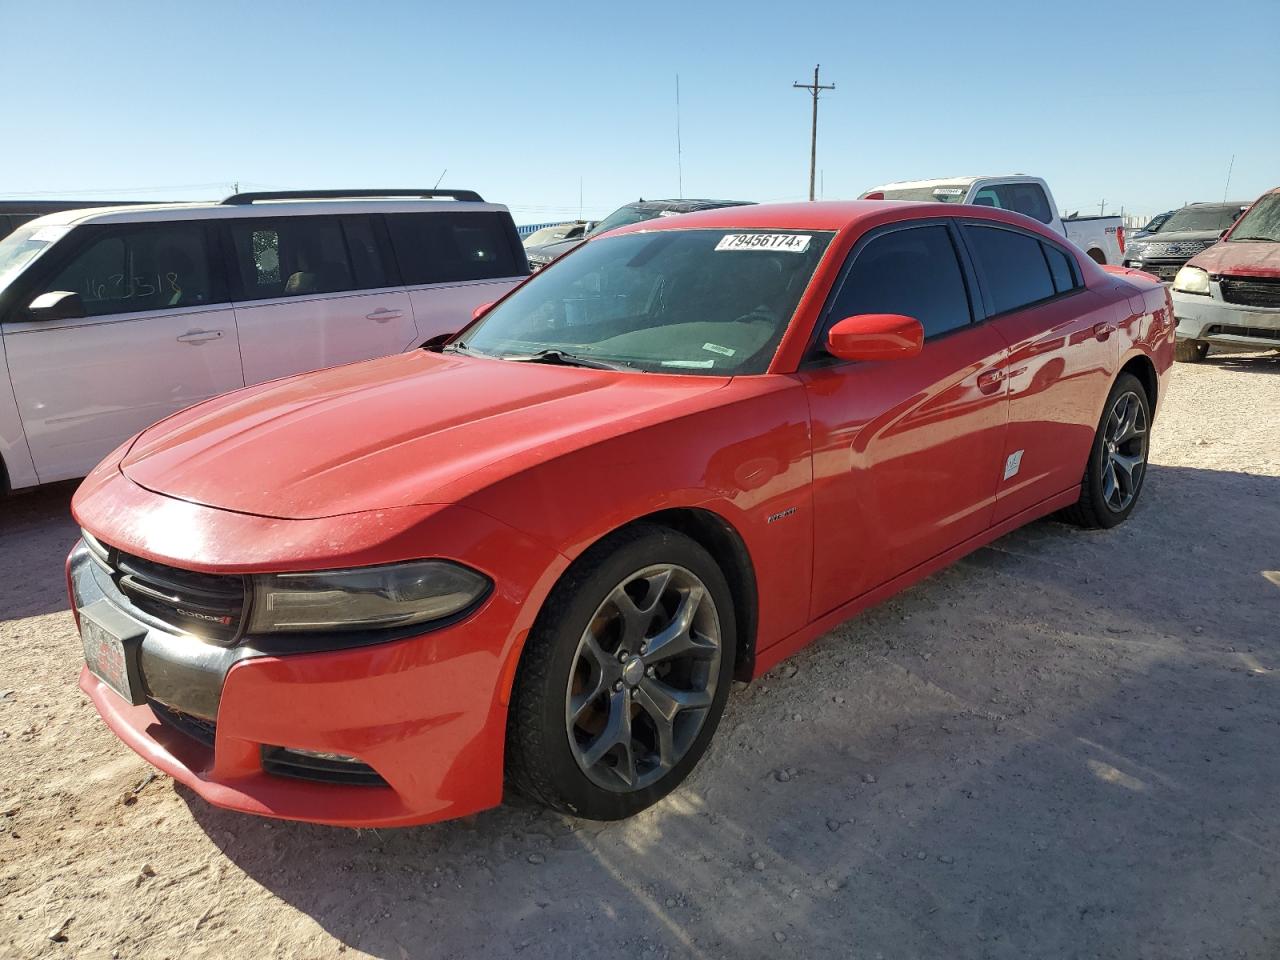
624, 215
1195, 227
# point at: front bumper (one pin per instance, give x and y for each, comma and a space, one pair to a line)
1228, 326
426, 713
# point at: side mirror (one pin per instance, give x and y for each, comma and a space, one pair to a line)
876, 336
481, 310
57, 305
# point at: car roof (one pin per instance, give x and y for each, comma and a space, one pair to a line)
938, 181
213, 210
820, 215
1216, 205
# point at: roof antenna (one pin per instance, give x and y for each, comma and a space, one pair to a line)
441, 177
1226, 189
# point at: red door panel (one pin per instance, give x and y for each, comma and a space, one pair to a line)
906, 458
1062, 358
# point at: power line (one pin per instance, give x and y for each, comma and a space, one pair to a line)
814, 89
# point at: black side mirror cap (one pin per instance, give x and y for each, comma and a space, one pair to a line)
57, 305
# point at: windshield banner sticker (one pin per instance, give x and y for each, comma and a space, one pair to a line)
788, 242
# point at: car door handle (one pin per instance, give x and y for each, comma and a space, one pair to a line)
200, 336
382, 315
989, 380
1103, 330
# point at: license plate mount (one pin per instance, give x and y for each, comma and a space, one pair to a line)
112, 645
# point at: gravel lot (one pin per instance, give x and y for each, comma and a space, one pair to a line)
1064, 746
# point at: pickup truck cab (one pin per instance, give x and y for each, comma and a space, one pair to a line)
113, 318
1102, 238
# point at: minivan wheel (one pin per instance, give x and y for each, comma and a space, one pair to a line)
1117, 464
624, 677
1190, 351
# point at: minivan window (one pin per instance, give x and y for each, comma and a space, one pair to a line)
140, 267
18, 248
304, 256
1012, 266
913, 272
453, 247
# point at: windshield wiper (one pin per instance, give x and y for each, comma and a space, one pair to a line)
1265, 239
564, 359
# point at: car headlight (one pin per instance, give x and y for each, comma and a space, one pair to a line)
1191, 280
365, 598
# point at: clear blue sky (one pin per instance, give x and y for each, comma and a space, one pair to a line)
1142, 104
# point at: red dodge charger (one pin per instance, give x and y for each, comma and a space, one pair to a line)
538, 555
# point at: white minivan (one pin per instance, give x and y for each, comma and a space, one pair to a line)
112, 318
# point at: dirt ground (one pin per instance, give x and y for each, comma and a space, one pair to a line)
1064, 746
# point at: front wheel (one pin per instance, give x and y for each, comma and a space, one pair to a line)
624, 677
1118, 459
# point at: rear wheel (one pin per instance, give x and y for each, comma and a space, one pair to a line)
1118, 460
624, 677
1190, 351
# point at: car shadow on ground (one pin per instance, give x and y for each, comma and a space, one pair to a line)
1249, 363
1062, 745
34, 583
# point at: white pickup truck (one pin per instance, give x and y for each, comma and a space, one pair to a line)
1102, 238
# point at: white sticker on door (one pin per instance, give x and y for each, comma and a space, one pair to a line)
1012, 464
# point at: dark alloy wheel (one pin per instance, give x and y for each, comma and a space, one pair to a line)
1117, 464
624, 677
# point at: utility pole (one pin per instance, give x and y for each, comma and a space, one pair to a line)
814, 89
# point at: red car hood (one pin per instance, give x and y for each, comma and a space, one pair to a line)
411, 429
1246, 258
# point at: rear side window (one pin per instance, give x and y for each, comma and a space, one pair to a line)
1024, 198
148, 267
1013, 266
452, 247
305, 256
1061, 267
913, 272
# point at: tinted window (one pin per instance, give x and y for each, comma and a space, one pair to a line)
305, 256
1061, 268
913, 272
1024, 198
1012, 265
148, 267
450, 247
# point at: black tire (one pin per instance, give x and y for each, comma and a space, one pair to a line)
540, 762
1190, 351
1096, 509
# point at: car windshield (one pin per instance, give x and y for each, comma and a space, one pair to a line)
18, 248
937, 193
624, 216
1215, 218
711, 302
547, 235
1262, 222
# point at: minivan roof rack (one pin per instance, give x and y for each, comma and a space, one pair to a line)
241, 199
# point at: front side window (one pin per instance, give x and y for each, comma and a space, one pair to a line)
292, 257
1261, 222
913, 272
453, 247
1012, 264
145, 267
712, 302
